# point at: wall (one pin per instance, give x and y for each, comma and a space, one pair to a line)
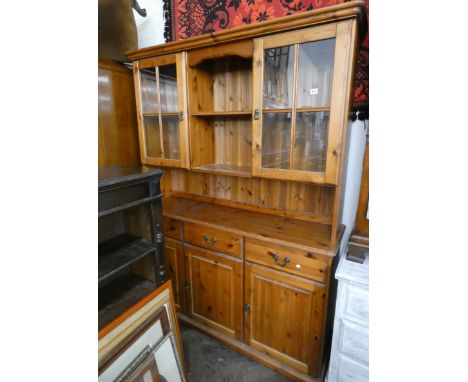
357, 146
150, 28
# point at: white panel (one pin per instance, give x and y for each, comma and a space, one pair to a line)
357, 304
350, 371
355, 341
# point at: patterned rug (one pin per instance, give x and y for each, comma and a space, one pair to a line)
188, 18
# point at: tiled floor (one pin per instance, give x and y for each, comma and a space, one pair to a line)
208, 360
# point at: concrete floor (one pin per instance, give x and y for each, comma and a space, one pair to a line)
208, 360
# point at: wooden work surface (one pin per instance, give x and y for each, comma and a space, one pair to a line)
295, 233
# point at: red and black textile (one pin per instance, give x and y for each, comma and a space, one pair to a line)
188, 18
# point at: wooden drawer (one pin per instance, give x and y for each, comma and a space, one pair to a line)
171, 228
287, 259
214, 239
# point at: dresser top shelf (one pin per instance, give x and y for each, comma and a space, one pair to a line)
304, 235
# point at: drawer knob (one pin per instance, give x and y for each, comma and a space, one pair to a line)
210, 242
275, 257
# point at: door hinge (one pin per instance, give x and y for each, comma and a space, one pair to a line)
246, 308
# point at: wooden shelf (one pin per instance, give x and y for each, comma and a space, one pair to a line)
309, 236
129, 205
118, 296
118, 253
224, 169
221, 113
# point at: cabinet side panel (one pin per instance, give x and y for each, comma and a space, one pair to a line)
118, 131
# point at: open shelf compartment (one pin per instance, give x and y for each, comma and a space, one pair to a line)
117, 254
221, 85
222, 145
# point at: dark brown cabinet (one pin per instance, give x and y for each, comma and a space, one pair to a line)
130, 255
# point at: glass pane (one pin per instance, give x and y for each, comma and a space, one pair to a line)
152, 139
310, 143
278, 75
315, 73
168, 88
276, 140
171, 136
148, 91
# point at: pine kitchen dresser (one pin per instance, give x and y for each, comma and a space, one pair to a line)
250, 127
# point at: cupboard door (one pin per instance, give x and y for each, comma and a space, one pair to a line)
215, 290
302, 85
175, 271
160, 85
284, 317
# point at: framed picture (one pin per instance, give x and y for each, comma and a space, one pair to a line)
144, 344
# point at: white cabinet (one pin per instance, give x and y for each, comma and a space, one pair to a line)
349, 360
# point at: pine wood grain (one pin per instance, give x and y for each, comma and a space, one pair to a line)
295, 233
215, 292
295, 308
117, 123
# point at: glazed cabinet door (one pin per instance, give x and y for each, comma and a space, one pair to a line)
160, 86
175, 270
302, 86
215, 290
284, 316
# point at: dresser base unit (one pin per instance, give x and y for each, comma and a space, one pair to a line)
259, 283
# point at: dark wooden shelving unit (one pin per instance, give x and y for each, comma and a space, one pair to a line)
130, 252
118, 253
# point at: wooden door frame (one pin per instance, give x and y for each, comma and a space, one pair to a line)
314, 361
180, 60
237, 269
344, 33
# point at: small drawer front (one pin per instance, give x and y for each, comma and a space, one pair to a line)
211, 238
355, 341
291, 260
172, 228
350, 371
357, 303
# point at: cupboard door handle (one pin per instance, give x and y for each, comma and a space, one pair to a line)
285, 262
205, 238
256, 114
275, 257
181, 115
